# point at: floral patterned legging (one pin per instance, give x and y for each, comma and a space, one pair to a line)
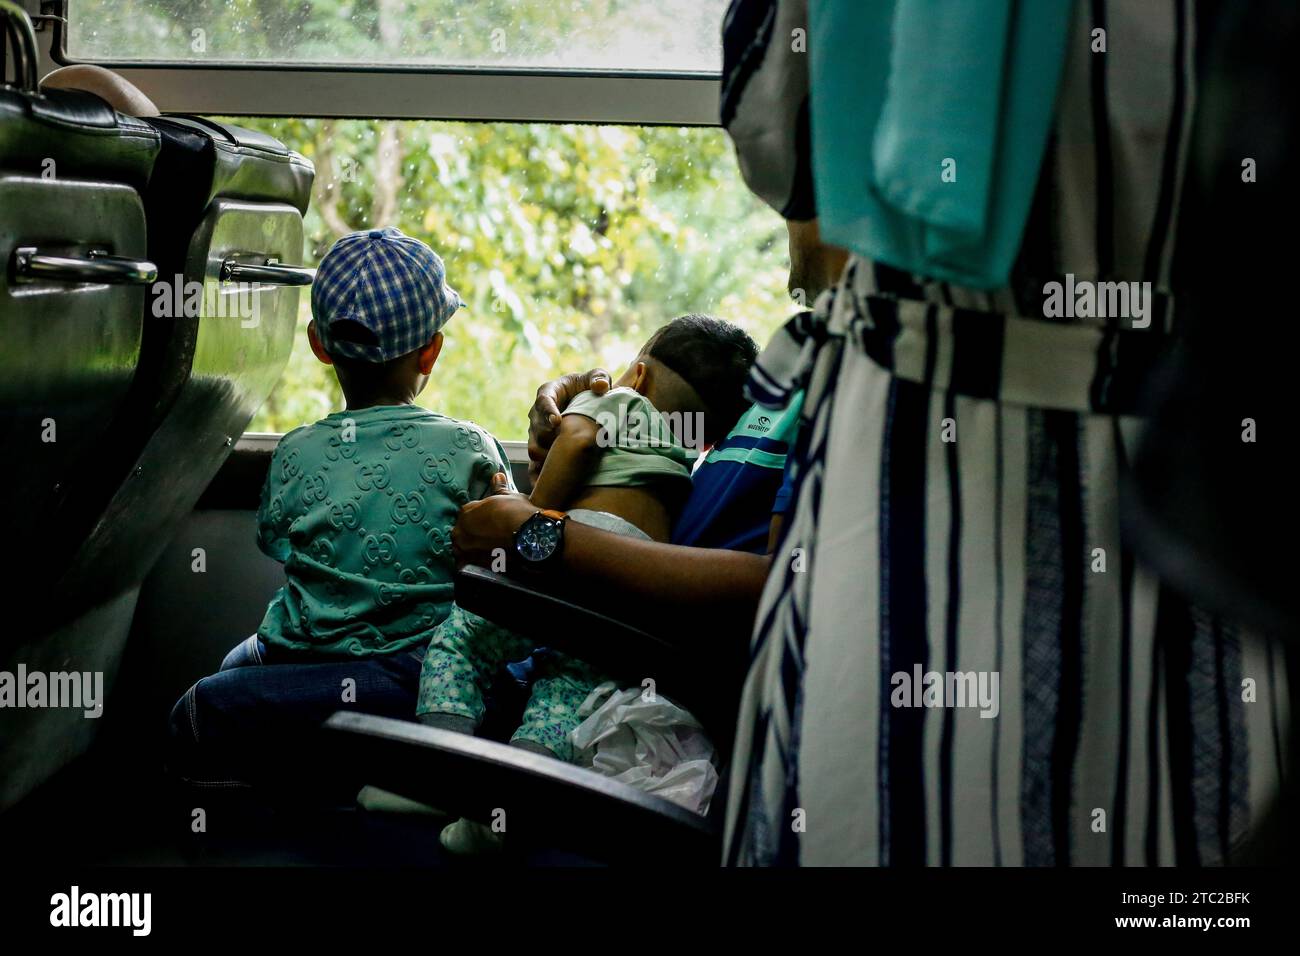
467, 651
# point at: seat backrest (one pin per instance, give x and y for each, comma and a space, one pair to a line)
166, 382
72, 292
213, 349
73, 245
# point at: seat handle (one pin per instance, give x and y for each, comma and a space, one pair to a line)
17, 29
96, 266
269, 272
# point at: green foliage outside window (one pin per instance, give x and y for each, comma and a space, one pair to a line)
569, 244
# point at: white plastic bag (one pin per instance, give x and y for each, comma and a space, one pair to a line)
645, 740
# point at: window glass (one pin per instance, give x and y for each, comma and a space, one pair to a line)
569, 244
656, 36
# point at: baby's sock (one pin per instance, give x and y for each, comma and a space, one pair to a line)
533, 747
454, 722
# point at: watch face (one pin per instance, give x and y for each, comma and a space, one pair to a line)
538, 538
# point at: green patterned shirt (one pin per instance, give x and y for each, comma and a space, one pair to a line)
359, 508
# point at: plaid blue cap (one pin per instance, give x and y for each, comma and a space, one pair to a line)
395, 289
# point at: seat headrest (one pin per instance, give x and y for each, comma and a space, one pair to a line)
84, 136
202, 160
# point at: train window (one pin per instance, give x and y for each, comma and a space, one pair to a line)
561, 155
662, 36
567, 242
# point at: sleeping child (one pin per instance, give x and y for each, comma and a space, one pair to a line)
619, 463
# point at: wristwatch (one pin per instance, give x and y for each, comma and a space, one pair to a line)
540, 540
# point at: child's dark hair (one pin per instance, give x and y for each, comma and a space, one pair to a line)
714, 358
361, 379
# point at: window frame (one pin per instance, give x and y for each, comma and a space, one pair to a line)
264, 442
411, 92
313, 91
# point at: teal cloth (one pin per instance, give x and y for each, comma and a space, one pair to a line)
359, 508
900, 86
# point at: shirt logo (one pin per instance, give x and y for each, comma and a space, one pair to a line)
337, 448
407, 508
379, 549
372, 476
467, 438
401, 434
345, 515
315, 488
761, 424
289, 468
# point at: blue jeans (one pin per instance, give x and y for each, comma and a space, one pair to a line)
258, 718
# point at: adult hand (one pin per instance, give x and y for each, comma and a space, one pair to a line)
544, 416
483, 526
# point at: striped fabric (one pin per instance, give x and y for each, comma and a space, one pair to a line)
765, 91
956, 498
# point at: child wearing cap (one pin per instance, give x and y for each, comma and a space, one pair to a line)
359, 506
618, 463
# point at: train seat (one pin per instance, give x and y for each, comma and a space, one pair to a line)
72, 294
74, 246
548, 803
224, 208
147, 398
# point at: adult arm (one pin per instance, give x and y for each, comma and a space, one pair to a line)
674, 577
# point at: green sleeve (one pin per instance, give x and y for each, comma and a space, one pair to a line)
493, 459
504, 462
272, 536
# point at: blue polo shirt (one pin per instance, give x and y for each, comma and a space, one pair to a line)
741, 483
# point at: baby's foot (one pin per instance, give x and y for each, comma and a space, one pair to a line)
468, 838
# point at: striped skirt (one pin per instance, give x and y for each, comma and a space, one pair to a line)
958, 659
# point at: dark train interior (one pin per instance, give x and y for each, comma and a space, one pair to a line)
178, 181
